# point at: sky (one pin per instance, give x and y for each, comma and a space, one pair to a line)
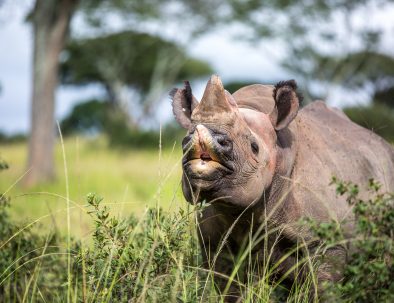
232, 60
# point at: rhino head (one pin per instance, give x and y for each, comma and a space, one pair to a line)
230, 152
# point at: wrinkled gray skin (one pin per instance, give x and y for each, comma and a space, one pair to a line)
258, 159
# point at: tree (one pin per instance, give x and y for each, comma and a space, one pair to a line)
301, 26
233, 86
372, 72
50, 21
367, 70
140, 61
304, 34
377, 117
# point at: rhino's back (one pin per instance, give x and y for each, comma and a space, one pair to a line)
329, 144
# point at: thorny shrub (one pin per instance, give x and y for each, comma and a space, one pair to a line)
31, 264
152, 259
369, 271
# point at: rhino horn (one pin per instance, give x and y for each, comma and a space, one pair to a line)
215, 99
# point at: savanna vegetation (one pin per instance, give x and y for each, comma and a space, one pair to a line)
61, 242
139, 243
129, 179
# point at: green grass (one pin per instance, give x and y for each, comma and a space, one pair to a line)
126, 248
130, 180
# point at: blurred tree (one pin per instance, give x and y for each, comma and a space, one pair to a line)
95, 116
233, 86
87, 117
50, 21
377, 117
384, 96
305, 28
366, 70
321, 42
145, 63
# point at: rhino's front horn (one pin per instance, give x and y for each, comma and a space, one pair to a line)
215, 98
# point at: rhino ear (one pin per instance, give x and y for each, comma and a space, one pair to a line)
286, 104
183, 104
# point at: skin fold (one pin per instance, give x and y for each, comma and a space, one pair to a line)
263, 164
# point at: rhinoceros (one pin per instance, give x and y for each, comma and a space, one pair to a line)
260, 160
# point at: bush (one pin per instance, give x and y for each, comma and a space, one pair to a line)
369, 273
32, 265
15, 138
152, 259
155, 258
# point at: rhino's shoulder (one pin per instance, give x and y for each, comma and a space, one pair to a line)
329, 121
330, 141
321, 108
257, 97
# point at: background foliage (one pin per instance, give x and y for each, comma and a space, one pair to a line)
135, 51
369, 273
156, 257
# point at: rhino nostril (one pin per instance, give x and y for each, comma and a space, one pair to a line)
223, 141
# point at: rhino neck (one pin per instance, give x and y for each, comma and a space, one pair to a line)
280, 191
287, 149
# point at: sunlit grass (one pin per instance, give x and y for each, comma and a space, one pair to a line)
152, 256
129, 179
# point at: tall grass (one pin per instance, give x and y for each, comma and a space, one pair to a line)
154, 256
147, 258
128, 179
150, 258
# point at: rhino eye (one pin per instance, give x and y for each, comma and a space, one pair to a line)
255, 148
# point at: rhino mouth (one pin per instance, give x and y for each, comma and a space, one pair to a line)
205, 161
205, 168
204, 158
